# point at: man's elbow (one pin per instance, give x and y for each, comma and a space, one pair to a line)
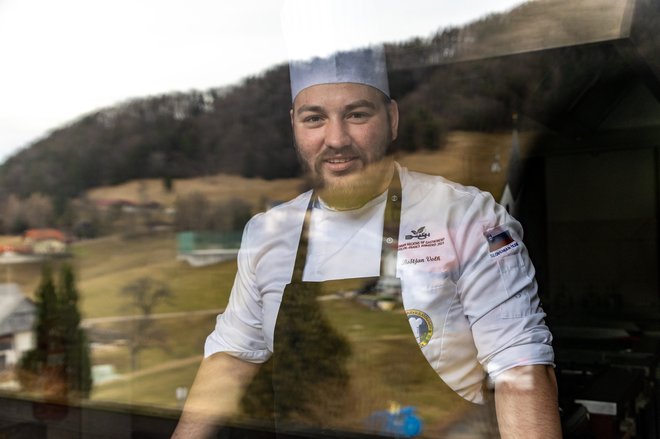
526, 402
528, 379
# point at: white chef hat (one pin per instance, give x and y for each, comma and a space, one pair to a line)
322, 41
362, 66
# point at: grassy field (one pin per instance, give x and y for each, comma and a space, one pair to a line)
160, 371
104, 267
157, 389
183, 336
216, 188
107, 265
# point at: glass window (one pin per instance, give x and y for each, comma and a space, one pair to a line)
140, 140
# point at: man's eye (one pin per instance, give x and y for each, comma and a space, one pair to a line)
357, 115
312, 119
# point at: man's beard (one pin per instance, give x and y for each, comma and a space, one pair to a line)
354, 189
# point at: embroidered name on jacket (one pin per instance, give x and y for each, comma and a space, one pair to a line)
414, 261
499, 241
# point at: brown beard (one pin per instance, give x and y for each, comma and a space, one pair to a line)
354, 190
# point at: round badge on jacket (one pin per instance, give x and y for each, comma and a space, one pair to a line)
422, 326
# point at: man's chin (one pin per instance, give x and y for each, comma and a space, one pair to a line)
354, 189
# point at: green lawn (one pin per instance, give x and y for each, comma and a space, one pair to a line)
156, 390
104, 267
183, 336
107, 265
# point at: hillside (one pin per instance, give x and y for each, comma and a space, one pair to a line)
466, 158
221, 187
244, 129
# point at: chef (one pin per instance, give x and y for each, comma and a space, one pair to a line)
297, 345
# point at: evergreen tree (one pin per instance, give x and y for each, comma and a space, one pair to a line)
47, 336
59, 364
77, 361
40, 368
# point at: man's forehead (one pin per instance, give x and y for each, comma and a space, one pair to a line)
338, 94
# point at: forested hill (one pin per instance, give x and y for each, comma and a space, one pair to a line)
245, 129
241, 130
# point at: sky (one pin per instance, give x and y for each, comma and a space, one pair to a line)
62, 59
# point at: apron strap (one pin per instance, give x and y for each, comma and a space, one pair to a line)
390, 240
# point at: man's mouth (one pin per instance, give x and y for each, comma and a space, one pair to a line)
340, 165
339, 160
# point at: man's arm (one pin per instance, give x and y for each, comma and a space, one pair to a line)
526, 403
214, 397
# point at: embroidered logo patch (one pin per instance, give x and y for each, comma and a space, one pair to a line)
499, 241
422, 326
419, 234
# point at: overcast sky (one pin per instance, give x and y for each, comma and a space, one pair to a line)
65, 58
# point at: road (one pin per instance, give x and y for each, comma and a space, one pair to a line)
86, 323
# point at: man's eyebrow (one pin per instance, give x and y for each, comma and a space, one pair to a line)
352, 106
359, 104
310, 108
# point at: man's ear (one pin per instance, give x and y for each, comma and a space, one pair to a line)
291, 116
393, 109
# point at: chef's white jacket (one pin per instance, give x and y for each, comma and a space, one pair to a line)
480, 296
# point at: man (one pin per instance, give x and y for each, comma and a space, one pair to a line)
466, 283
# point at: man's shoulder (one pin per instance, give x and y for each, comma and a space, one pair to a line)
420, 185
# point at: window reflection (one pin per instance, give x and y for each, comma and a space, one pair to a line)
550, 107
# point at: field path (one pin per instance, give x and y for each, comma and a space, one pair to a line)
174, 364
86, 323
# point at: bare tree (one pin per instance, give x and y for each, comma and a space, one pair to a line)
145, 294
13, 217
38, 211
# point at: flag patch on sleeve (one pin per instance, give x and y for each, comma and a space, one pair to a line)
499, 241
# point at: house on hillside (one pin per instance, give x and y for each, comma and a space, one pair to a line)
17, 316
45, 241
126, 206
14, 249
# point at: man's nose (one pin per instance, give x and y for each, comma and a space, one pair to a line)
336, 134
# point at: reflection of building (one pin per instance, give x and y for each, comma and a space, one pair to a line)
205, 248
17, 314
116, 203
127, 206
45, 241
